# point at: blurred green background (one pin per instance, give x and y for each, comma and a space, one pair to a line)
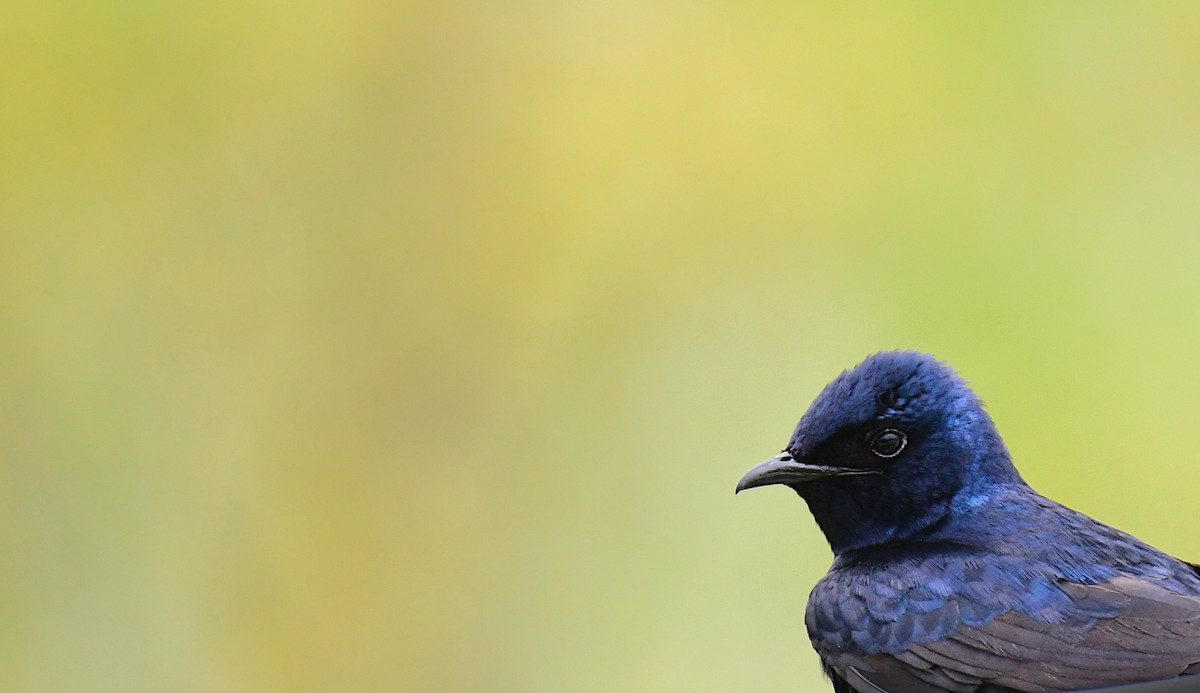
417, 347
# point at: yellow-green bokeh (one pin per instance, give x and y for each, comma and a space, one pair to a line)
368, 346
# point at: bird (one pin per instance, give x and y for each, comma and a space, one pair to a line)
950, 573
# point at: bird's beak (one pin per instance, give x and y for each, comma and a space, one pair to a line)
785, 469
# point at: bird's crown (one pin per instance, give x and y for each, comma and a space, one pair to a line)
907, 387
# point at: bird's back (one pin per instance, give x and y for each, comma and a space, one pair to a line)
1019, 594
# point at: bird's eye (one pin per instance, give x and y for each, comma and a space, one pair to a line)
888, 442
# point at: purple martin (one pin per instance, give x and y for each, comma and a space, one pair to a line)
951, 574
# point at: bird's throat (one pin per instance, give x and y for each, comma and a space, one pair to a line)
852, 520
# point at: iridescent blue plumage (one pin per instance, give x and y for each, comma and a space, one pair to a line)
950, 573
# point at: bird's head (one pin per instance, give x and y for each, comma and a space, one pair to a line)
885, 449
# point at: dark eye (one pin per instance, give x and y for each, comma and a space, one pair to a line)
888, 442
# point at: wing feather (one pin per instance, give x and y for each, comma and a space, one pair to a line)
1124, 630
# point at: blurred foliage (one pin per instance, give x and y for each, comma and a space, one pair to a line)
376, 347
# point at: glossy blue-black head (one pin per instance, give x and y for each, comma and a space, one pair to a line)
886, 448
